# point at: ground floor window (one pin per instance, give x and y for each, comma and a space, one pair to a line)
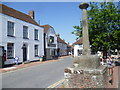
36, 50
79, 52
10, 50
53, 52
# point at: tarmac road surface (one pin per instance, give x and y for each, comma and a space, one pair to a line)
37, 76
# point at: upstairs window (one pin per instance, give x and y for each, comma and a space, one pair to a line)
36, 34
25, 32
10, 28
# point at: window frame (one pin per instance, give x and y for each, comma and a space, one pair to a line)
36, 54
36, 36
25, 32
11, 45
10, 29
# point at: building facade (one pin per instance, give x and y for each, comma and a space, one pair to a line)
20, 35
78, 47
70, 49
62, 46
50, 42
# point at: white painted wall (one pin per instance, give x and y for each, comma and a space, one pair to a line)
76, 48
18, 39
63, 48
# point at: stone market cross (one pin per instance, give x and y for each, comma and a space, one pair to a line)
86, 44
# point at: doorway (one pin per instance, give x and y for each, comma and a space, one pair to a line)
24, 52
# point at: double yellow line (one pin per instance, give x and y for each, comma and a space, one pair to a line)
56, 84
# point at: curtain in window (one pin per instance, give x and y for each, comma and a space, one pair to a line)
25, 32
36, 34
10, 30
10, 50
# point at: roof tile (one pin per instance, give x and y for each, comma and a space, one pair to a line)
46, 27
80, 41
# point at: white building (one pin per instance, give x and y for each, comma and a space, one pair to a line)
62, 46
70, 49
50, 42
78, 47
20, 35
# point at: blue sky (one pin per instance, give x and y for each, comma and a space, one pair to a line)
61, 15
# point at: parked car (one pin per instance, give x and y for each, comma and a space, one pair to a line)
117, 63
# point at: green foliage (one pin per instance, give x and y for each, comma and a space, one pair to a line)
77, 31
103, 25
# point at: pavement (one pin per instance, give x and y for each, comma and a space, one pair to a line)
21, 66
115, 77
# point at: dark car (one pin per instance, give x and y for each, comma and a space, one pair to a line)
117, 63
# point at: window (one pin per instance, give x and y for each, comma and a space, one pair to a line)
36, 50
36, 34
25, 32
10, 50
10, 28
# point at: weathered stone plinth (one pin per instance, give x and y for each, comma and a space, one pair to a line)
87, 61
86, 78
86, 73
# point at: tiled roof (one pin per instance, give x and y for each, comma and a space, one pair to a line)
60, 40
80, 41
17, 14
70, 45
46, 27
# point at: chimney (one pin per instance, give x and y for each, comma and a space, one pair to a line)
31, 14
57, 35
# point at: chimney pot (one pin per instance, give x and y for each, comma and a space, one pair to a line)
58, 35
31, 14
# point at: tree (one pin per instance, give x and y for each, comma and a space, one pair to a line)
103, 26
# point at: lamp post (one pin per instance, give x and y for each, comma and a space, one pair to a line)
86, 44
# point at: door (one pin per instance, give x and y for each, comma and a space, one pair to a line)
24, 53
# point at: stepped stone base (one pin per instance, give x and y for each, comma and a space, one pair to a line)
86, 73
87, 61
86, 78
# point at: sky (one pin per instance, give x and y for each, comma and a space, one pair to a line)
62, 16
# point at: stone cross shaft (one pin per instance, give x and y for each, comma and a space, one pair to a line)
85, 35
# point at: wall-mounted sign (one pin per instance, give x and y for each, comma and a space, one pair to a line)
51, 45
51, 39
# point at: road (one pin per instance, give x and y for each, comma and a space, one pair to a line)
38, 76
